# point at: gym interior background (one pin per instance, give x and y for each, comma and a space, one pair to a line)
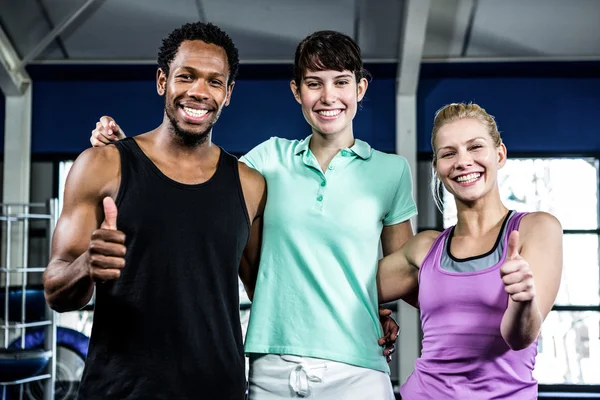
533, 64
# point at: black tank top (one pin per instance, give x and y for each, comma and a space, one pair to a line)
169, 327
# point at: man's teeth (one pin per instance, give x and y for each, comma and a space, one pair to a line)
330, 113
468, 178
193, 112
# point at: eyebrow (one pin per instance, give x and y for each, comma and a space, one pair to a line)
468, 142
192, 69
337, 77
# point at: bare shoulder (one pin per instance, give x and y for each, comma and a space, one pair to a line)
99, 155
97, 169
539, 223
540, 231
101, 161
419, 245
541, 219
250, 176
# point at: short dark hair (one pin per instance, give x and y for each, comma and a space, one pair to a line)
328, 50
206, 32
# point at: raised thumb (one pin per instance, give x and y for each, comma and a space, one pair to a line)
513, 245
110, 214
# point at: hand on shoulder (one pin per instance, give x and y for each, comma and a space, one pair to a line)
107, 131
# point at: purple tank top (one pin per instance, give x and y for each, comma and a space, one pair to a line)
464, 355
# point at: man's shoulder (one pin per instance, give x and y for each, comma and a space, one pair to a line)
249, 174
95, 173
98, 156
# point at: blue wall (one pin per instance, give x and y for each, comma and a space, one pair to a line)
540, 107
533, 114
66, 112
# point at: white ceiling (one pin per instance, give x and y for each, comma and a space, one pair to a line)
124, 31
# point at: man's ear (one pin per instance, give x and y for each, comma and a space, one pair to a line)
161, 82
229, 90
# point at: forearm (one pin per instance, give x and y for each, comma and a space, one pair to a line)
521, 324
68, 285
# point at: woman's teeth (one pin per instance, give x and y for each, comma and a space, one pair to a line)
330, 113
468, 178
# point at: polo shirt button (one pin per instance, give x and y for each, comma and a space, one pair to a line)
319, 198
323, 183
330, 167
345, 153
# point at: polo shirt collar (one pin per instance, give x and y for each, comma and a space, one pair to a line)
302, 145
360, 148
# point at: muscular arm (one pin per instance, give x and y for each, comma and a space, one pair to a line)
397, 275
255, 194
393, 237
541, 247
67, 281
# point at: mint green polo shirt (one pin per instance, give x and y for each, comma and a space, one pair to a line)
316, 293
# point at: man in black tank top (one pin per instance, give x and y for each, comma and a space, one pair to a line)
160, 225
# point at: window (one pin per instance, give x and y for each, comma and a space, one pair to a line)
569, 345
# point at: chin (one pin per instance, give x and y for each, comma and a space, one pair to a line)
472, 197
191, 138
330, 130
467, 200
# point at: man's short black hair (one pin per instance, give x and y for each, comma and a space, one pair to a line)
206, 32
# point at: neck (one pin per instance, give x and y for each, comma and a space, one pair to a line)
479, 217
172, 144
325, 147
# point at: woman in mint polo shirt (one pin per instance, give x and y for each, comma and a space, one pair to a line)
314, 325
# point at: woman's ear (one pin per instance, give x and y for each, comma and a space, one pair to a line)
502, 155
295, 91
361, 89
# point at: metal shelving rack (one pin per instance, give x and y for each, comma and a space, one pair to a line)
20, 214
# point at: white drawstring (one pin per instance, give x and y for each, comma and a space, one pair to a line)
303, 374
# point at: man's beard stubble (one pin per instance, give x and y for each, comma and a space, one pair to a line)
187, 139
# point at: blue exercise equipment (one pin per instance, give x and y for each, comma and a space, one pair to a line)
35, 304
71, 349
17, 364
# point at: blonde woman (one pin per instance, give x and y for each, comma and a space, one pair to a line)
485, 284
